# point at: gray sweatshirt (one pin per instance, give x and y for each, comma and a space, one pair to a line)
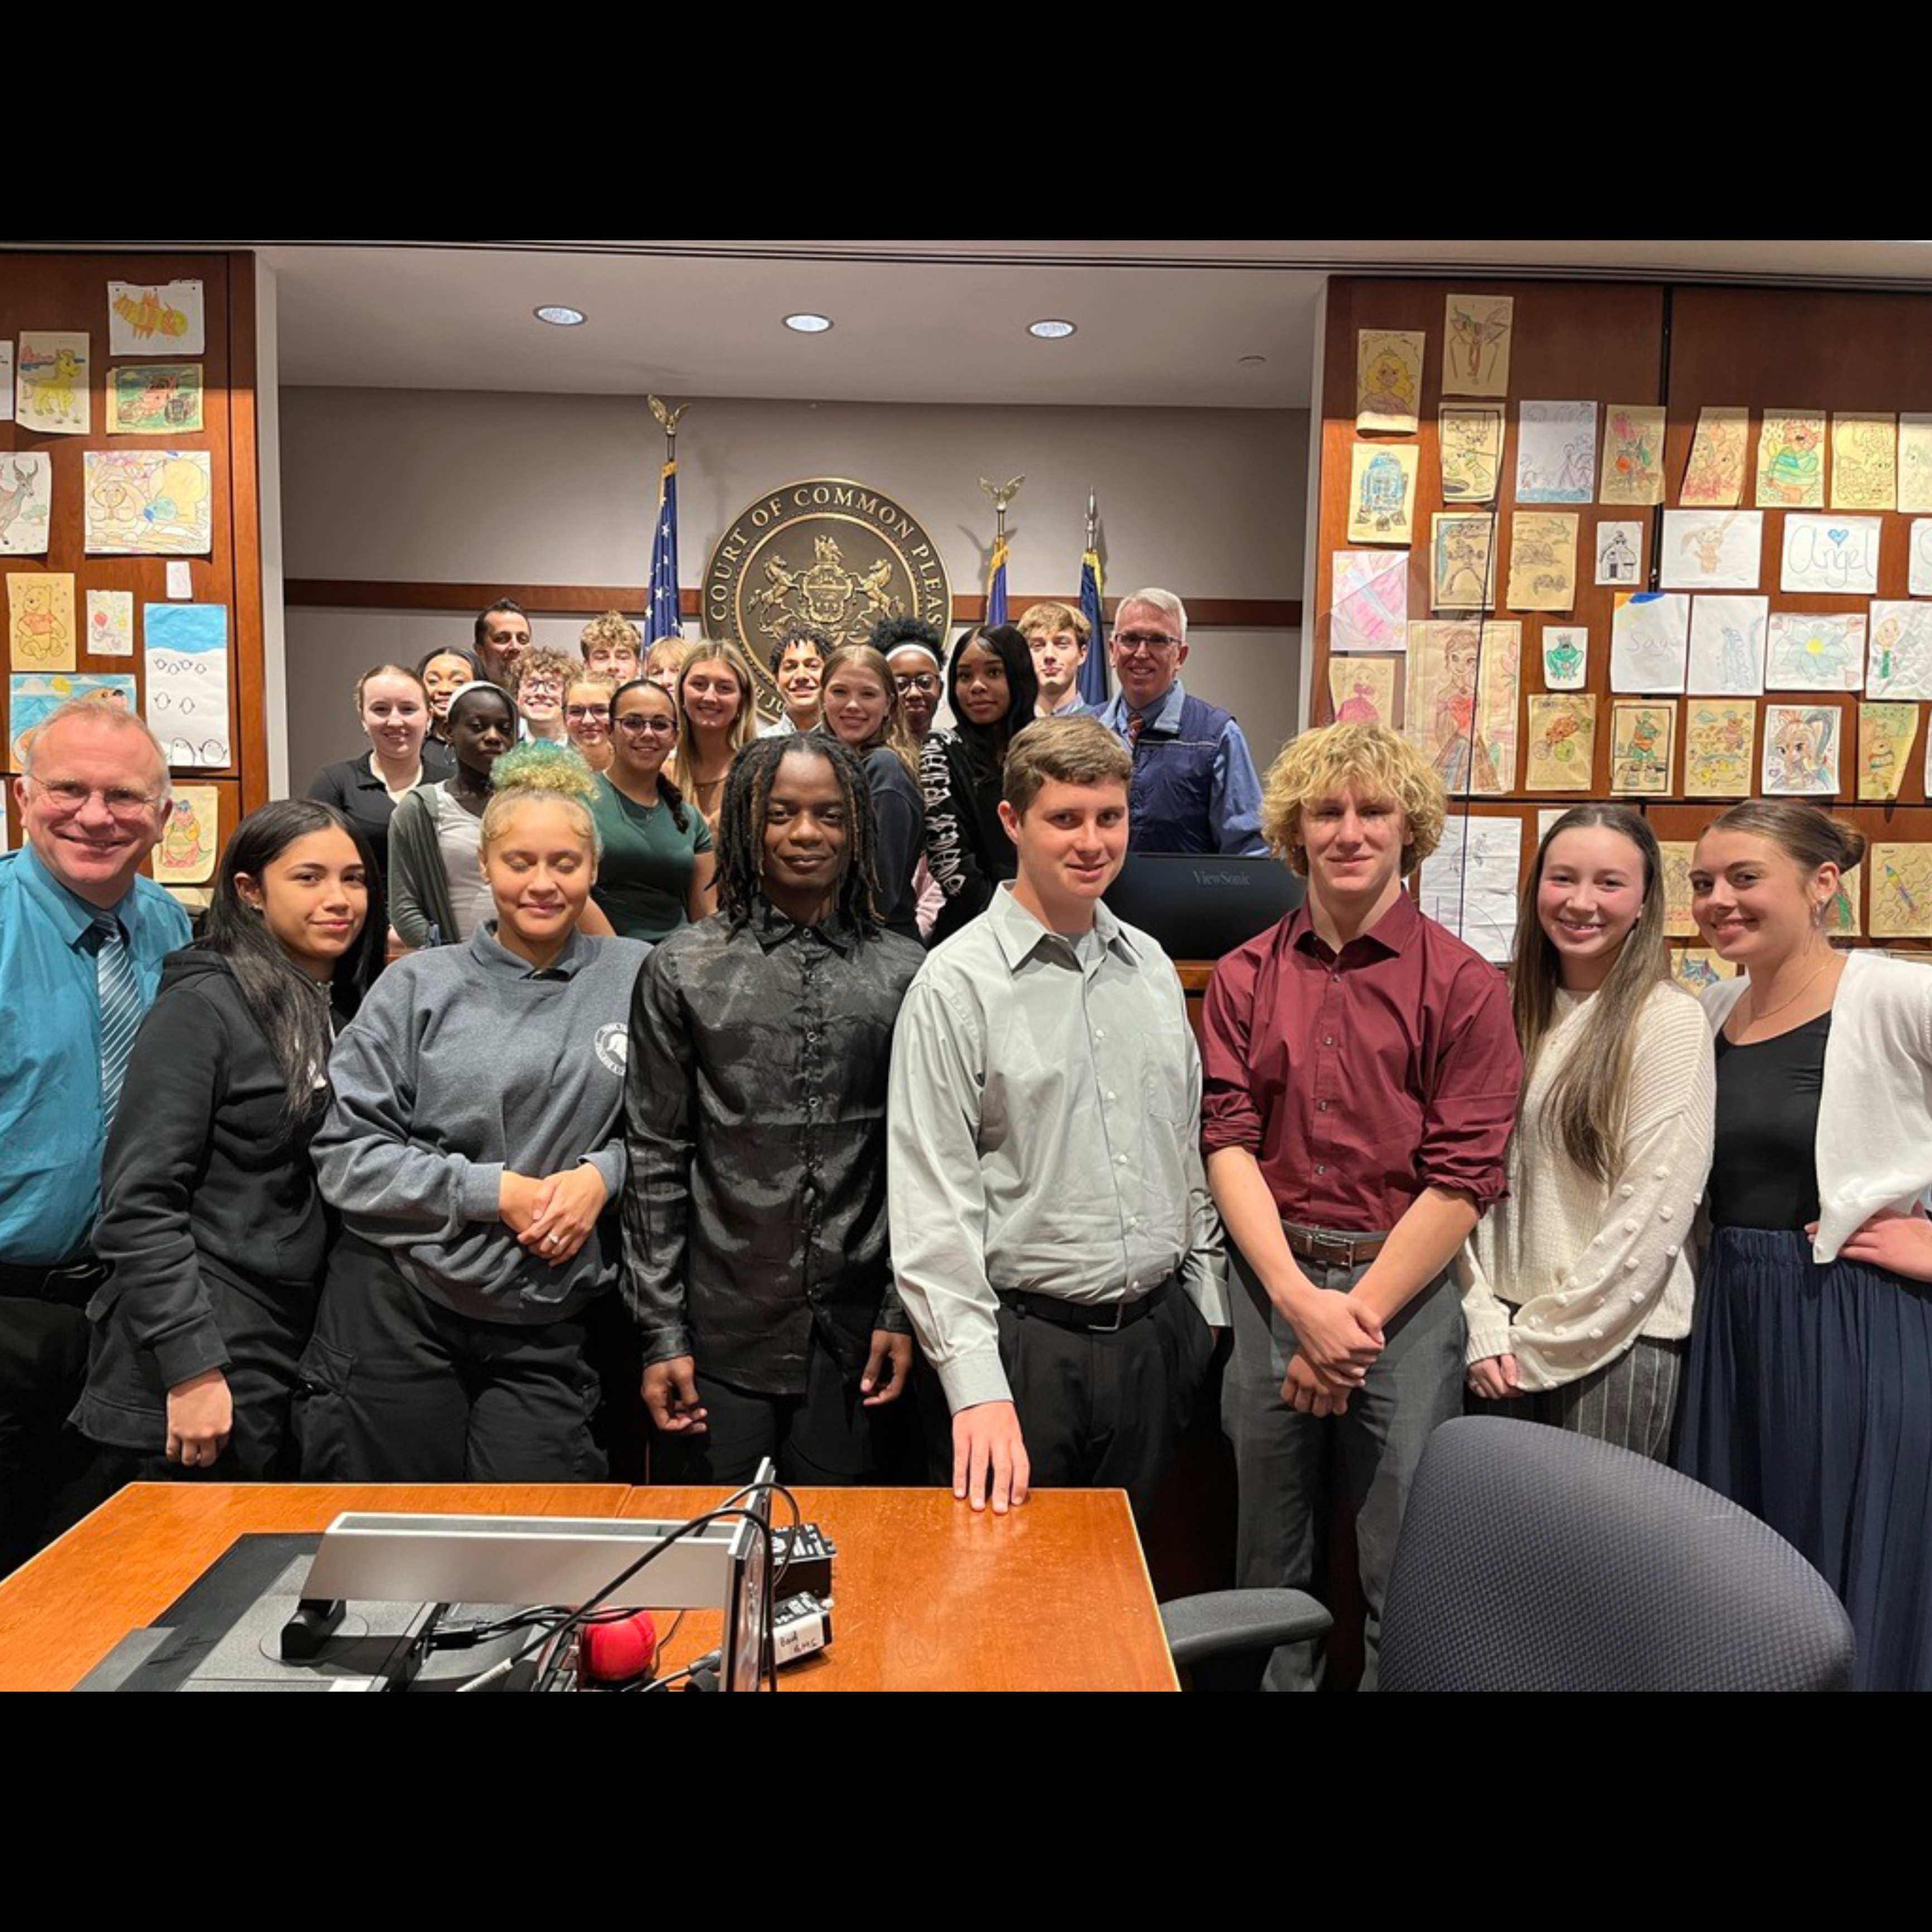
463, 1062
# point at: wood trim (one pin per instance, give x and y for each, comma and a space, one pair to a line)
592, 600
245, 483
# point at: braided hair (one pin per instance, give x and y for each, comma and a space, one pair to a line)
741, 829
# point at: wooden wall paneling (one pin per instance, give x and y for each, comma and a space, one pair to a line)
244, 622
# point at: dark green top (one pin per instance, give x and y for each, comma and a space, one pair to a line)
644, 875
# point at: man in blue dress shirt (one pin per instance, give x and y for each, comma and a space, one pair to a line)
1195, 787
81, 941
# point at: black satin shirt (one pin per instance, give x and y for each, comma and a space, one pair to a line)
755, 1209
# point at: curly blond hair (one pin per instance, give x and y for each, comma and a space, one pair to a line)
1368, 759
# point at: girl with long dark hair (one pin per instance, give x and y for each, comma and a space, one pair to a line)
655, 870
1578, 1285
994, 689
212, 1222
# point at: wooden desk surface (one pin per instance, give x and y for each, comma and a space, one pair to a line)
62, 1612
930, 1595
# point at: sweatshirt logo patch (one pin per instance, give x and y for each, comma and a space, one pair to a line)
613, 1048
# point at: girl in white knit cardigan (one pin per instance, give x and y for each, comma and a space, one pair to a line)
1577, 1288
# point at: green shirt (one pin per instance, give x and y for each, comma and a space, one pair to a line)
644, 875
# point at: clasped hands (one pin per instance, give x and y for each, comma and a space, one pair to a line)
1338, 1339
552, 1216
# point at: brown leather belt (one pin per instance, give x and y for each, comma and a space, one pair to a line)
1316, 1244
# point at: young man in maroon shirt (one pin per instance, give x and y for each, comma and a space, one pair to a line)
1360, 1073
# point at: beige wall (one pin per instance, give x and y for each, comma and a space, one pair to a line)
468, 486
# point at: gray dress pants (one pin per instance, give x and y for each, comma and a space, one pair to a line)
1282, 1459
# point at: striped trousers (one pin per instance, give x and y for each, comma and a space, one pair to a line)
1631, 1402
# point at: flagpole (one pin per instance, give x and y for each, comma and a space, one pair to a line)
665, 617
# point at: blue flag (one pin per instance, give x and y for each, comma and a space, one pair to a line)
1094, 668
665, 618
996, 587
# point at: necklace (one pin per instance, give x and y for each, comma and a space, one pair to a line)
1751, 995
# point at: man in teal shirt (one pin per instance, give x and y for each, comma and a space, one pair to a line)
81, 941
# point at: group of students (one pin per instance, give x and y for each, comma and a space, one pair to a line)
359, 1221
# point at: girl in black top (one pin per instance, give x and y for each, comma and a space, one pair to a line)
994, 689
392, 705
211, 1222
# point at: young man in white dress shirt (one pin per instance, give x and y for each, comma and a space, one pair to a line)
1053, 1237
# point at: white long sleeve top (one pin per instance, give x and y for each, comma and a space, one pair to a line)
1567, 1271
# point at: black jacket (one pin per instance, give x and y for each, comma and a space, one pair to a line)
199, 1181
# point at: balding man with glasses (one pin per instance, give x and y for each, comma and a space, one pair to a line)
81, 941
1195, 788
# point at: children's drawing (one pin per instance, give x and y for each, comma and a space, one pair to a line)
1915, 462
1633, 454
1469, 882
148, 503
53, 396
1901, 650
1462, 564
1677, 923
1381, 489
39, 609
1370, 589
110, 624
155, 318
1460, 707
1643, 737
32, 699
1562, 742
1388, 379
1542, 560
1620, 554
1566, 656
1885, 734
1800, 749
1727, 645
1697, 968
154, 399
1841, 910
26, 503
1864, 461
1816, 651
6, 381
1901, 891
1469, 450
1703, 549
1361, 690
191, 836
1791, 461
1555, 452
187, 650
1650, 636
1715, 477
1476, 345
1837, 556
1918, 578
1719, 739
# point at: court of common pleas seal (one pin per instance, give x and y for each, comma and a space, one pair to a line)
827, 552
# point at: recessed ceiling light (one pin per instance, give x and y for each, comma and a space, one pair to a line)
808, 325
1051, 330
564, 318
1253, 361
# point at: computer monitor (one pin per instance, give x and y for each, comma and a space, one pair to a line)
748, 1613
1202, 905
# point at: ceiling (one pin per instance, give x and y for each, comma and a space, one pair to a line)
1160, 323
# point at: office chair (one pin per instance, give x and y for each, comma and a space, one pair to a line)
1537, 1559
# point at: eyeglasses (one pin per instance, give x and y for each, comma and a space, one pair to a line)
926, 681
1151, 641
656, 727
579, 714
539, 687
68, 797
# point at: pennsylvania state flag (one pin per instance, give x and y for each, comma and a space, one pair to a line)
1093, 668
664, 618
996, 586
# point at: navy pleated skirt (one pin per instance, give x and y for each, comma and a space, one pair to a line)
1808, 1400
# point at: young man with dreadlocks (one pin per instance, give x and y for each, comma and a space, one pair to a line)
755, 1253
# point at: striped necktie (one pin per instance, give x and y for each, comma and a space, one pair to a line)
120, 993
1136, 724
